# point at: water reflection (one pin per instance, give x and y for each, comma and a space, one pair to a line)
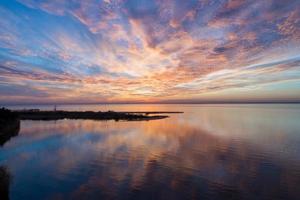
4, 183
174, 158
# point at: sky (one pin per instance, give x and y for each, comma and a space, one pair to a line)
121, 51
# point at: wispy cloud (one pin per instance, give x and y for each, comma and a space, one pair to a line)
138, 50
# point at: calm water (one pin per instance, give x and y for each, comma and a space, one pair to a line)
209, 152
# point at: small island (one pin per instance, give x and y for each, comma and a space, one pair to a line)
10, 120
36, 114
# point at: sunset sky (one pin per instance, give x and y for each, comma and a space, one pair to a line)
89, 51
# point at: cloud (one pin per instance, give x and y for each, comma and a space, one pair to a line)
157, 49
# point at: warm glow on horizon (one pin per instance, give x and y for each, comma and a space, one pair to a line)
60, 51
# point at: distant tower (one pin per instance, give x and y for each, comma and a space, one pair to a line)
54, 107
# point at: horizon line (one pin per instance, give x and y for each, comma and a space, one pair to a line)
120, 103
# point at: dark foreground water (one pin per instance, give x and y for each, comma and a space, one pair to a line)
209, 152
